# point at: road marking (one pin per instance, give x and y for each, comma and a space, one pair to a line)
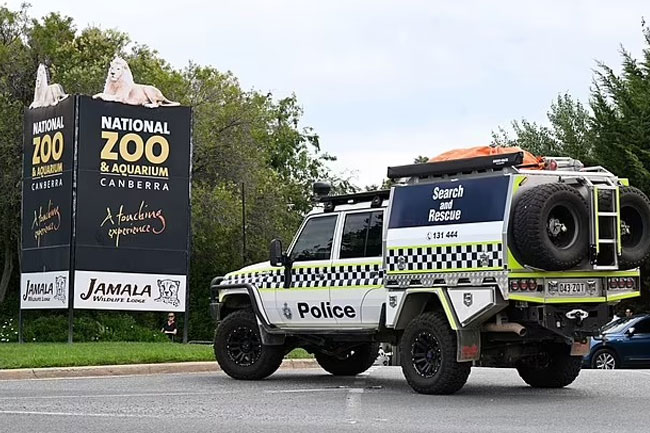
353, 400
97, 415
152, 394
289, 391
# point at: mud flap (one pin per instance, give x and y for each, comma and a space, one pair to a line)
579, 348
469, 345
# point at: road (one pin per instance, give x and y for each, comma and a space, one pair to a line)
311, 401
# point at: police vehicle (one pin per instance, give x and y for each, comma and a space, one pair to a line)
479, 261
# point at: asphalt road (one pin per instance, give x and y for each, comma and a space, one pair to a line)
311, 401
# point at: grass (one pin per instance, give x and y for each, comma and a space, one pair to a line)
37, 355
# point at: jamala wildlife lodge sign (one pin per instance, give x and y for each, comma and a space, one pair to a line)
106, 193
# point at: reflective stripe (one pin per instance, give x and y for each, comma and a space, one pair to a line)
555, 300
586, 274
461, 257
443, 300
316, 277
623, 296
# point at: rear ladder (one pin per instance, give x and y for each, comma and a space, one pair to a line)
605, 221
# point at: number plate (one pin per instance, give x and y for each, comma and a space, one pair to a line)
572, 288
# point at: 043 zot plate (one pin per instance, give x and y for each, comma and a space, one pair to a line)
572, 288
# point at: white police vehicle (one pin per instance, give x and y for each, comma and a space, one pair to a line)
478, 261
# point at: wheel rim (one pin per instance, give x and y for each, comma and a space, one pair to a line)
426, 355
562, 226
631, 227
605, 361
244, 346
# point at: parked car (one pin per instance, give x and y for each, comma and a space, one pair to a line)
623, 343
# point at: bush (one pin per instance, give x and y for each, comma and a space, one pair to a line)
88, 327
8, 330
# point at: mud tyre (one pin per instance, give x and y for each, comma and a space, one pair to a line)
354, 361
551, 227
559, 370
428, 356
635, 228
239, 350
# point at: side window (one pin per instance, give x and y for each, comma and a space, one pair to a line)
362, 235
642, 327
315, 240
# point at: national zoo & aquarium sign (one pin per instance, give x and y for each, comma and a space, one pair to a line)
106, 200
132, 229
48, 157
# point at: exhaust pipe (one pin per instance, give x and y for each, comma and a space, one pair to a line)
506, 327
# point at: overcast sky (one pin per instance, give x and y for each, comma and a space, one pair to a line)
384, 81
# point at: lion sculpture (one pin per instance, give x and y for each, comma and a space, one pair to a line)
120, 87
45, 94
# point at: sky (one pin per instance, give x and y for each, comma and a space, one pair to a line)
382, 82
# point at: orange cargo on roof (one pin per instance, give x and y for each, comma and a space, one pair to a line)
530, 161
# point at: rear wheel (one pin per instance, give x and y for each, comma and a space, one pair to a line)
556, 368
428, 356
351, 362
239, 350
604, 359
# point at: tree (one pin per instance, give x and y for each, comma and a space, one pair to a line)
569, 133
240, 137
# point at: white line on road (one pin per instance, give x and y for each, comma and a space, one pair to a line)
99, 415
289, 391
151, 394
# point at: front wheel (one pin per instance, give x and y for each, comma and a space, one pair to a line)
351, 362
428, 356
239, 350
604, 359
556, 369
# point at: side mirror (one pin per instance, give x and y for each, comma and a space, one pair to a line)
630, 332
276, 256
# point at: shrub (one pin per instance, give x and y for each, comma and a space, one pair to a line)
87, 327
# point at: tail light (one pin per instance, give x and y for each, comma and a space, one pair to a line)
621, 283
530, 285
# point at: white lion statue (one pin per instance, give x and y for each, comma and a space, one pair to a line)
45, 94
120, 87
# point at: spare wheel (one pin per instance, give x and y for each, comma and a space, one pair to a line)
635, 233
551, 227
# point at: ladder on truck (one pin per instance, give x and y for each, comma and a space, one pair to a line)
605, 222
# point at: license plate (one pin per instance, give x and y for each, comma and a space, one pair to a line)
572, 288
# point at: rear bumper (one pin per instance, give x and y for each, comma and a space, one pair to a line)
572, 321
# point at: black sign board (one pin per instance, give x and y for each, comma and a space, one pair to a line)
47, 211
133, 213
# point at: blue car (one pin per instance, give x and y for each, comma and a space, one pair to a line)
623, 343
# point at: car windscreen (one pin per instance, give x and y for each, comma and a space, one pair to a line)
616, 327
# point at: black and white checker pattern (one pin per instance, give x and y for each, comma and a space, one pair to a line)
269, 279
357, 275
317, 276
344, 275
445, 257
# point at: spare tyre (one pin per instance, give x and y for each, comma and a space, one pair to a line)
550, 227
635, 232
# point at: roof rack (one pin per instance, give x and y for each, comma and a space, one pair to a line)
375, 197
479, 163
